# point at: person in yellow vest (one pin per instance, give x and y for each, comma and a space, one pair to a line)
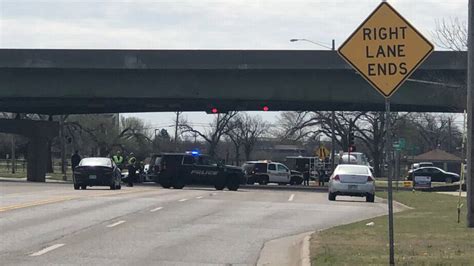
118, 159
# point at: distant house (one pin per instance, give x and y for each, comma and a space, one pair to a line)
442, 159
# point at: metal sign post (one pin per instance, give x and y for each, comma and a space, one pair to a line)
385, 50
388, 153
470, 126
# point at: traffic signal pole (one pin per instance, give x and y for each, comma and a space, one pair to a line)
470, 128
333, 134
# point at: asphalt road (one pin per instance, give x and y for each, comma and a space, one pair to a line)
146, 225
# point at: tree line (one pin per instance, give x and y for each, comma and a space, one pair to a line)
234, 136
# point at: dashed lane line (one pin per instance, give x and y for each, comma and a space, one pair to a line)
291, 197
156, 209
182, 200
115, 224
200, 197
46, 250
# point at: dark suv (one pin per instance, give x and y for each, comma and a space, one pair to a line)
180, 169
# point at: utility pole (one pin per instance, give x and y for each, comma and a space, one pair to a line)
63, 146
333, 134
13, 158
470, 127
176, 131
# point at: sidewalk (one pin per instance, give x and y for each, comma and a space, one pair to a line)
453, 193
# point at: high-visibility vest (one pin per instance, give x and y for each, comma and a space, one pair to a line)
117, 159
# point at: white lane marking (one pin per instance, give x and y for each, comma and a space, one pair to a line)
46, 250
115, 224
156, 209
291, 197
200, 197
182, 200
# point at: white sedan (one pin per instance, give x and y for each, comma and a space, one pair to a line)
352, 180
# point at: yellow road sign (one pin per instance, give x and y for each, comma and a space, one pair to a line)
323, 153
385, 49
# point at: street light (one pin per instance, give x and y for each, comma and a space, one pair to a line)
316, 43
333, 113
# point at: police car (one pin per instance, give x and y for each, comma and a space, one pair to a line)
264, 172
179, 169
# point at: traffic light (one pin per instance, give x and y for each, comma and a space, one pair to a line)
265, 108
351, 139
352, 147
215, 110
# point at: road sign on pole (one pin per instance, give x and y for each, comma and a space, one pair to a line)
323, 153
385, 49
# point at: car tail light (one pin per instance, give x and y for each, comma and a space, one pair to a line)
336, 177
370, 179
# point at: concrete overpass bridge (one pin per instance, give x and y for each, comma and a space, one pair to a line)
100, 81
108, 81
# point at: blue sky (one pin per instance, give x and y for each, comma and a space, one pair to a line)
199, 24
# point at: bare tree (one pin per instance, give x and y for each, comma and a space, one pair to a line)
436, 131
451, 34
295, 126
245, 131
369, 128
235, 136
213, 134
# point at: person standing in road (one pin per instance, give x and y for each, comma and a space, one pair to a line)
75, 160
132, 169
306, 175
322, 177
118, 159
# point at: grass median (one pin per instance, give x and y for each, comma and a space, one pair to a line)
426, 235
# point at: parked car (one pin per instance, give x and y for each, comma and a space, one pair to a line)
415, 166
179, 169
264, 172
153, 167
352, 180
97, 171
146, 175
436, 174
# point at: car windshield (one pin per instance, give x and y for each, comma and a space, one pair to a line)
352, 170
96, 162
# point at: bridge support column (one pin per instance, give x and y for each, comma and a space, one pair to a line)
38, 133
37, 159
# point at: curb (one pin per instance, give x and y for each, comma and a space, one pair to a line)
305, 250
401, 206
288, 250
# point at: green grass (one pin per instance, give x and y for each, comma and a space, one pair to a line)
427, 235
22, 174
